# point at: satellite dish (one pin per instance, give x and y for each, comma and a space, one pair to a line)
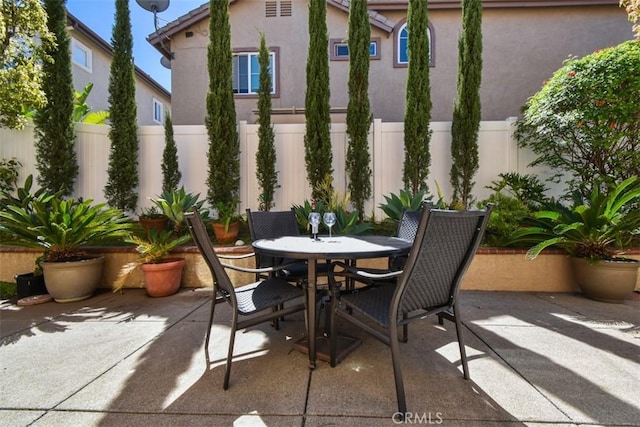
165, 62
154, 6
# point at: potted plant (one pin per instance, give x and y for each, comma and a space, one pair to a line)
162, 274
63, 228
227, 226
595, 234
30, 283
175, 203
151, 218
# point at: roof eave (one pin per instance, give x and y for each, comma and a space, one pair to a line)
87, 32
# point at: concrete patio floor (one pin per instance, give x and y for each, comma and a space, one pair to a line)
127, 359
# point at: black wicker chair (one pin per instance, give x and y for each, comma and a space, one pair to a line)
407, 229
443, 248
273, 224
270, 225
257, 302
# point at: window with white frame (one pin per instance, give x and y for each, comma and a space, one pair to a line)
81, 55
401, 47
339, 49
158, 111
246, 72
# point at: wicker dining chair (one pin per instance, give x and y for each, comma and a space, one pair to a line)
445, 244
407, 229
271, 225
257, 302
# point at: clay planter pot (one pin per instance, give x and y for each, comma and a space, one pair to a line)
225, 237
164, 278
607, 281
159, 224
74, 280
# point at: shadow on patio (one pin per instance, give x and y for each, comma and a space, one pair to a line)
130, 359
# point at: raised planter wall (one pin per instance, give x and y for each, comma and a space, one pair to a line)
492, 269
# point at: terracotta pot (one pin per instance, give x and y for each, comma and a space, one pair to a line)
164, 278
225, 237
608, 281
74, 280
159, 224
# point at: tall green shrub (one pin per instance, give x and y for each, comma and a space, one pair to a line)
417, 134
585, 121
358, 109
266, 154
55, 133
466, 111
170, 169
317, 139
24, 40
223, 181
120, 190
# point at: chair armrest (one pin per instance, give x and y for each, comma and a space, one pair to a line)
259, 270
249, 255
359, 274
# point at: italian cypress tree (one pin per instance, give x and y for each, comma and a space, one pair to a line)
358, 109
223, 181
170, 170
466, 111
417, 134
123, 157
266, 155
317, 139
55, 137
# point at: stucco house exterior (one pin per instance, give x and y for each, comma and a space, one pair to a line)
524, 41
90, 63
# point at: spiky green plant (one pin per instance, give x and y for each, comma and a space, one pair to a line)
596, 229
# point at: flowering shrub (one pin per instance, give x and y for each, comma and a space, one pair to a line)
585, 121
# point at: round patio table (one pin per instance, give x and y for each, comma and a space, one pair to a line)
325, 248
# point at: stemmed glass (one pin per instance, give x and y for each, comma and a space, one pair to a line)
314, 221
329, 220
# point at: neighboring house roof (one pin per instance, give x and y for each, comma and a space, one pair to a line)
455, 4
377, 19
202, 12
106, 47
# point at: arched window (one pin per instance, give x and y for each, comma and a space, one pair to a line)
401, 46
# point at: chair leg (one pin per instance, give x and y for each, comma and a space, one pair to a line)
232, 339
397, 370
276, 320
333, 329
463, 352
213, 309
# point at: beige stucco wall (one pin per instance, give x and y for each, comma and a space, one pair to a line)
521, 48
490, 270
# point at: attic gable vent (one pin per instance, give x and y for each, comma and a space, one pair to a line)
270, 8
285, 8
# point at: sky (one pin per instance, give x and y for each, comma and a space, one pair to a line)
99, 15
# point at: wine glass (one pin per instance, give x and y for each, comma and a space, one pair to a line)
329, 220
314, 221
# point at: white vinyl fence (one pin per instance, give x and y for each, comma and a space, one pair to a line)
498, 153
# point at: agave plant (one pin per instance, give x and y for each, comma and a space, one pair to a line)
346, 222
397, 203
596, 229
60, 227
175, 203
